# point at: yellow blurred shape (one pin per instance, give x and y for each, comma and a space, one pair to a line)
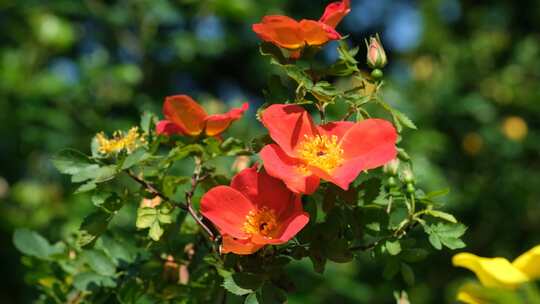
514, 128
422, 68
472, 143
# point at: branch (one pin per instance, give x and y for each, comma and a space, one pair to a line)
187, 206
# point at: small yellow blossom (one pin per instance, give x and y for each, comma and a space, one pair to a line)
120, 141
498, 272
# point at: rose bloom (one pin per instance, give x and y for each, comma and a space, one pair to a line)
336, 152
184, 116
256, 210
290, 34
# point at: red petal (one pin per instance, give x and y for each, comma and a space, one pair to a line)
334, 12
217, 123
279, 165
264, 190
294, 225
338, 128
186, 113
288, 125
279, 30
242, 247
343, 175
227, 209
317, 33
168, 128
372, 140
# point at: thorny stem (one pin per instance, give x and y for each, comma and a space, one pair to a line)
188, 206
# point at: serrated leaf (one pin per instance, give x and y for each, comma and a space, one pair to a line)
442, 215
99, 262
71, 161
406, 121
87, 281
393, 247
241, 283
33, 244
135, 158
93, 226
155, 231
251, 299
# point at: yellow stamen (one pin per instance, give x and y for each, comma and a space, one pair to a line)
120, 141
321, 151
262, 221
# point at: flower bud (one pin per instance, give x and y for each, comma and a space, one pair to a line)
391, 167
407, 176
376, 56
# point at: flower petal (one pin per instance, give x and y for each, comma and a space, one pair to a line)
279, 165
288, 125
334, 12
280, 30
342, 176
317, 33
293, 226
186, 113
242, 247
168, 128
492, 272
373, 141
263, 190
337, 128
217, 123
529, 263
227, 209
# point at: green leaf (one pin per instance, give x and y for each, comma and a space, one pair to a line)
407, 273
118, 250
406, 121
153, 218
442, 215
413, 255
33, 244
251, 299
99, 262
92, 227
241, 283
446, 234
96, 173
135, 158
71, 161
393, 248
91, 185
146, 121
87, 281
182, 152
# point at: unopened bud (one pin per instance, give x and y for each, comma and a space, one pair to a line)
391, 167
407, 176
376, 56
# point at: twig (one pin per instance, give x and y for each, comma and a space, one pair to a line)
195, 180
150, 188
188, 207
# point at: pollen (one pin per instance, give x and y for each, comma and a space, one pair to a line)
321, 151
262, 221
120, 141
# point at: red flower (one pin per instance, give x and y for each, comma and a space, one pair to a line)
290, 34
336, 152
254, 211
184, 116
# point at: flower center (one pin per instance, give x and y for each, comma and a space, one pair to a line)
321, 151
262, 221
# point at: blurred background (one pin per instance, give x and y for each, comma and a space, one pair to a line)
467, 72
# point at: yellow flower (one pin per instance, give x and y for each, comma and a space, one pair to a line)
498, 272
120, 142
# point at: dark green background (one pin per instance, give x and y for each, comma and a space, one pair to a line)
467, 72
